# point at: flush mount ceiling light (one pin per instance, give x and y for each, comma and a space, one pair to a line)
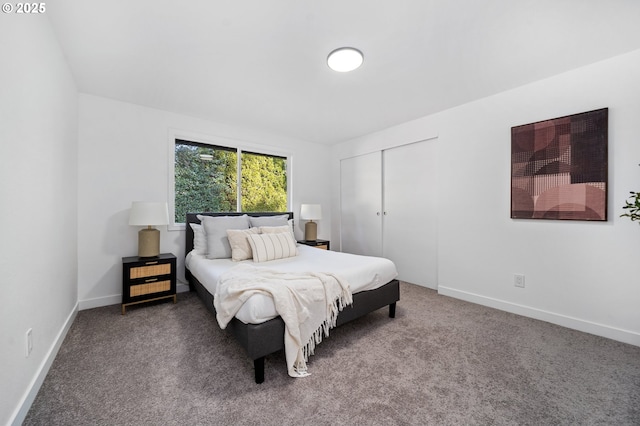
345, 59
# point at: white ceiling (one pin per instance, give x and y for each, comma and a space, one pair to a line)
261, 64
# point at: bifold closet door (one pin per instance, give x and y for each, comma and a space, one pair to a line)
361, 204
410, 221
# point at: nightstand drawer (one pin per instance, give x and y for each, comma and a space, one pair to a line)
152, 270
149, 288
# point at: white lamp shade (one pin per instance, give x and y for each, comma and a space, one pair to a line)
145, 213
310, 212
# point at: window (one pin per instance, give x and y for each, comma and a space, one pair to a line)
264, 183
206, 179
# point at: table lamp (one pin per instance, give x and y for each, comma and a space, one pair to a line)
148, 214
310, 212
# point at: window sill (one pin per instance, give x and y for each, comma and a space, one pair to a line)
176, 227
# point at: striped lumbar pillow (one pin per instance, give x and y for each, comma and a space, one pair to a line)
267, 247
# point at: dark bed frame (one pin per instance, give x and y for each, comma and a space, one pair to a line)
260, 340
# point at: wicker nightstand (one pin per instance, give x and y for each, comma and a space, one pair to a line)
145, 279
321, 244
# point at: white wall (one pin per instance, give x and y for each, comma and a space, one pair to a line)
124, 154
38, 171
578, 274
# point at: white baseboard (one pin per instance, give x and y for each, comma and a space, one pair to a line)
116, 299
625, 336
32, 391
99, 302
182, 287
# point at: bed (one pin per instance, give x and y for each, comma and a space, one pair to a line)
264, 335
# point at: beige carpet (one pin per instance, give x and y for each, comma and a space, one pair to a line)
441, 361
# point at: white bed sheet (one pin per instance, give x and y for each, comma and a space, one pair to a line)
361, 272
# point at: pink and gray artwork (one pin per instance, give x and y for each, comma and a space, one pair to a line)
559, 168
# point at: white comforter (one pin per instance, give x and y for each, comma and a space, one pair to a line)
361, 272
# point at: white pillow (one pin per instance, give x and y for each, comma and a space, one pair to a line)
267, 247
215, 227
199, 239
240, 247
278, 220
276, 230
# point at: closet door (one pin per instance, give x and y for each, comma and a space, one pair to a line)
361, 204
410, 221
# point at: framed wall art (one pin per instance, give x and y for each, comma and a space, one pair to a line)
559, 168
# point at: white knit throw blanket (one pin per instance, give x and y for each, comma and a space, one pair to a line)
308, 303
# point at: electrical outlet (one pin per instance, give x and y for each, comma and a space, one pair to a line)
518, 280
29, 342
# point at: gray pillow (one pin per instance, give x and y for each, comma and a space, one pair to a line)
199, 238
218, 246
279, 220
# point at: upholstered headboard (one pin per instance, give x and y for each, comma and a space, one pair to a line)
192, 218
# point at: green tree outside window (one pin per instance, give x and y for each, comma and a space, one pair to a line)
206, 180
264, 183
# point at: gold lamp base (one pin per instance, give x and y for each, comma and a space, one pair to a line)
148, 242
311, 231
